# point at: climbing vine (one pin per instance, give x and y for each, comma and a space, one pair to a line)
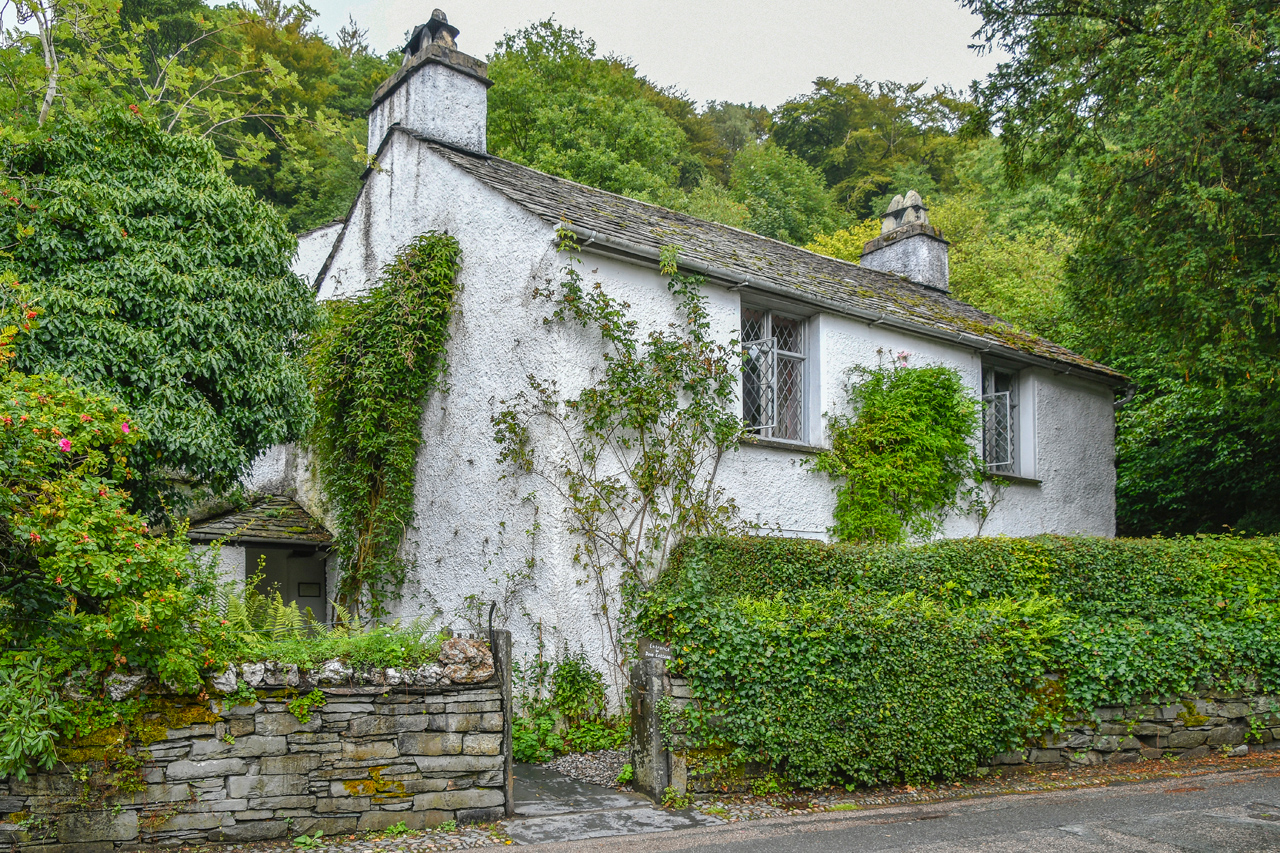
634, 456
372, 366
905, 457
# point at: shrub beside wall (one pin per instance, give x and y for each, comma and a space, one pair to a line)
876, 663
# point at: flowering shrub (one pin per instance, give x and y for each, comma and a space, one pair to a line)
85, 583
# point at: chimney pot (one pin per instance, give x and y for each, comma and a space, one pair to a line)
908, 245
438, 91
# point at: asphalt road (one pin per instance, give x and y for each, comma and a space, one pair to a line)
1225, 813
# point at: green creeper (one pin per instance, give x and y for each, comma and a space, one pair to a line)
372, 366
903, 458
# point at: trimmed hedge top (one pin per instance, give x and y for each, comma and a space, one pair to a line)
1080, 572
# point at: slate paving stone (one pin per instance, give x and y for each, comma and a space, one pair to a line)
553, 807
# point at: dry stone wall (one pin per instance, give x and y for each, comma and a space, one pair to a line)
372, 756
1192, 726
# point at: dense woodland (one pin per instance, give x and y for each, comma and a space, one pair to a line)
1113, 186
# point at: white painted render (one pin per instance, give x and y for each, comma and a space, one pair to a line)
439, 102
313, 248
228, 561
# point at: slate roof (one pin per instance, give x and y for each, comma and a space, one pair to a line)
837, 284
269, 519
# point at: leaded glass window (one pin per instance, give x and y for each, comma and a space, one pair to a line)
999, 420
773, 374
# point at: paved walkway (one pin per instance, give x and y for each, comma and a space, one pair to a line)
551, 807
1223, 813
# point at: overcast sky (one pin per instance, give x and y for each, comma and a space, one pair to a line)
724, 50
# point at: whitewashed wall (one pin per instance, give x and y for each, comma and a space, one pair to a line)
228, 561
471, 536
313, 248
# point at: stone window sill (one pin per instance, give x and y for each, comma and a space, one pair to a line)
778, 444
1015, 480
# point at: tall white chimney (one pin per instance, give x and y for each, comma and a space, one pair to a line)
908, 245
438, 91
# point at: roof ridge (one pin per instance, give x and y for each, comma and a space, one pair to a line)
487, 158
806, 274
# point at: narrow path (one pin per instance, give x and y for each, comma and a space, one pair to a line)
1223, 813
553, 807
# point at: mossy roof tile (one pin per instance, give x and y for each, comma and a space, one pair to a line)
269, 518
837, 283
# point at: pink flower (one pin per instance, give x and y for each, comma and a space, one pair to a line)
65, 445
124, 427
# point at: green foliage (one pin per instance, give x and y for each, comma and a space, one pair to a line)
84, 582
646, 438
1170, 110
309, 842
817, 659
846, 243
559, 108
577, 688
1009, 245
673, 799
244, 694
904, 458
163, 285
626, 774
304, 705
447, 826
284, 107
269, 629
85, 585
563, 705
31, 714
785, 198
534, 738
372, 366
592, 735
1132, 576
870, 140
1194, 459
396, 829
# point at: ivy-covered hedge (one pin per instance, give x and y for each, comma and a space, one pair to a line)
1083, 572
874, 663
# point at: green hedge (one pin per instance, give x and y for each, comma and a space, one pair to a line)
1082, 571
865, 664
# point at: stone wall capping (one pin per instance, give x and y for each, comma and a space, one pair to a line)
374, 755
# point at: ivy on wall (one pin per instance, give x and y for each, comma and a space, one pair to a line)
372, 365
905, 458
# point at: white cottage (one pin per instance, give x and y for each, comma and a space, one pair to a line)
1050, 416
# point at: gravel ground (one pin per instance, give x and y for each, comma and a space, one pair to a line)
598, 768
462, 838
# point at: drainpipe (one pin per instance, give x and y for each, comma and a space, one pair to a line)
1129, 393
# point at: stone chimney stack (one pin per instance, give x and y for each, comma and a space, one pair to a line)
908, 245
438, 91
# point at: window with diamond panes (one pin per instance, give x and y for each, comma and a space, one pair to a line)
999, 420
773, 374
